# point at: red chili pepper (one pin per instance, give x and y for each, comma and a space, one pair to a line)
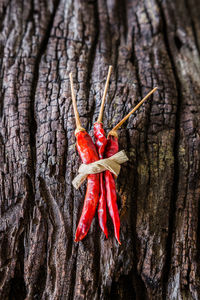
101, 141
111, 149
88, 154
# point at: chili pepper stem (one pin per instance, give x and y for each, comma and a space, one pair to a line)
114, 130
99, 120
77, 118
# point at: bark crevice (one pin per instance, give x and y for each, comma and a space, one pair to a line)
175, 185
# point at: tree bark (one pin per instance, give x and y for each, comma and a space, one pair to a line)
149, 43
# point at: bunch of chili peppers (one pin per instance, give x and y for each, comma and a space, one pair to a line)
101, 188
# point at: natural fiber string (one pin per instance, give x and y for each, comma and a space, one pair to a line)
111, 164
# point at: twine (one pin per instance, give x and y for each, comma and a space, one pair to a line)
111, 164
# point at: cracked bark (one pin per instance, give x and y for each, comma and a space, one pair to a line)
149, 43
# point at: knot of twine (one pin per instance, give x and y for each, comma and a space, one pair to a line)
111, 164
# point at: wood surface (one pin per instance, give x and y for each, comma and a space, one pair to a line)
148, 43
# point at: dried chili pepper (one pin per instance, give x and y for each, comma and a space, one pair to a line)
88, 154
111, 149
100, 142
111, 196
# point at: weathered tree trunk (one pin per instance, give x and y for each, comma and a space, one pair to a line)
149, 43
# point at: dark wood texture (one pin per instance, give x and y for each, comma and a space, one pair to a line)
149, 43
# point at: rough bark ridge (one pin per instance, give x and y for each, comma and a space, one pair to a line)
149, 43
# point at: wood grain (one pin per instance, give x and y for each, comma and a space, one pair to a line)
149, 43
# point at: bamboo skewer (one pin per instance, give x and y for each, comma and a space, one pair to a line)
77, 118
113, 131
99, 120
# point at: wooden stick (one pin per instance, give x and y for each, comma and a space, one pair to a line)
78, 122
132, 111
99, 120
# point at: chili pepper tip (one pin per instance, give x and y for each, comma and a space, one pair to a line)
76, 239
